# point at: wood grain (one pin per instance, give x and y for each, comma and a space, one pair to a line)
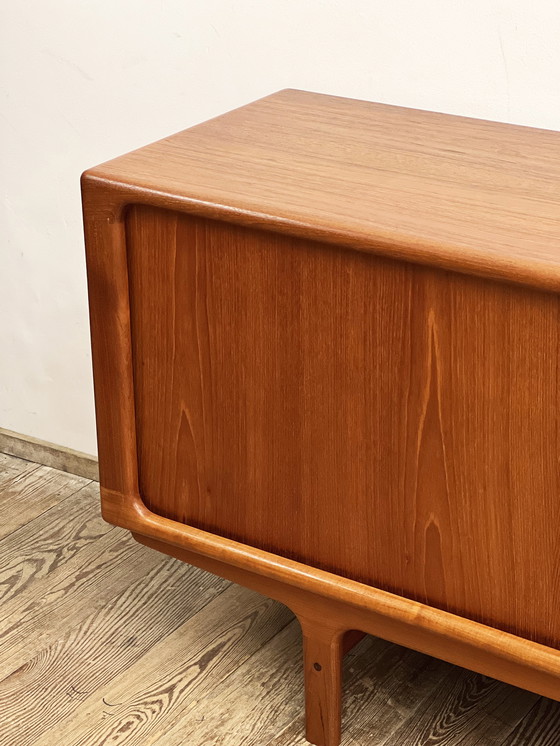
158, 691
341, 410
385, 688
32, 620
64, 529
11, 467
322, 671
466, 194
91, 653
540, 727
252, 704
471, 710
32, 492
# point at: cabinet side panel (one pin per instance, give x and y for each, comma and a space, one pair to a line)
388, 422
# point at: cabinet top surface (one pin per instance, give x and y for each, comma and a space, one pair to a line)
466, 194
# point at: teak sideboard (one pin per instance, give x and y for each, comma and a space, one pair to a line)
326, 347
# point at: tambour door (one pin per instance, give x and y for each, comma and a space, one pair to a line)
393, 423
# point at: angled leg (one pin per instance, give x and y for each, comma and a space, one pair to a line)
322, 658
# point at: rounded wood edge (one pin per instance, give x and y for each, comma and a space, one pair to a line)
342, 604
107, 274
114, 197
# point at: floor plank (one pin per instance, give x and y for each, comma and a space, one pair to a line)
33, 491
35, 618
540, 727
262, 701
146, 699
465, 708
51, 685
249, 706
38, 548
10, 467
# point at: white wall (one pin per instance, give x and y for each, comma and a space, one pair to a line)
85, 80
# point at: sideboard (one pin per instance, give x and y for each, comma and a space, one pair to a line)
326, 349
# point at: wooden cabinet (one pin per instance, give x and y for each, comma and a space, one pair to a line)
326, 358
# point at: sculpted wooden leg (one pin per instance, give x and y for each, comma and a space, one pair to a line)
322, 657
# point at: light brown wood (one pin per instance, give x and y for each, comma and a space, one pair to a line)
345, 411
32, 620
11, 468
64, 533
176, 672
245, 707
96, 646
457, 718
476, 196
364, 435
32, 492
322, 669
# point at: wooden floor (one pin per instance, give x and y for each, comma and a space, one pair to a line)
106, 642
